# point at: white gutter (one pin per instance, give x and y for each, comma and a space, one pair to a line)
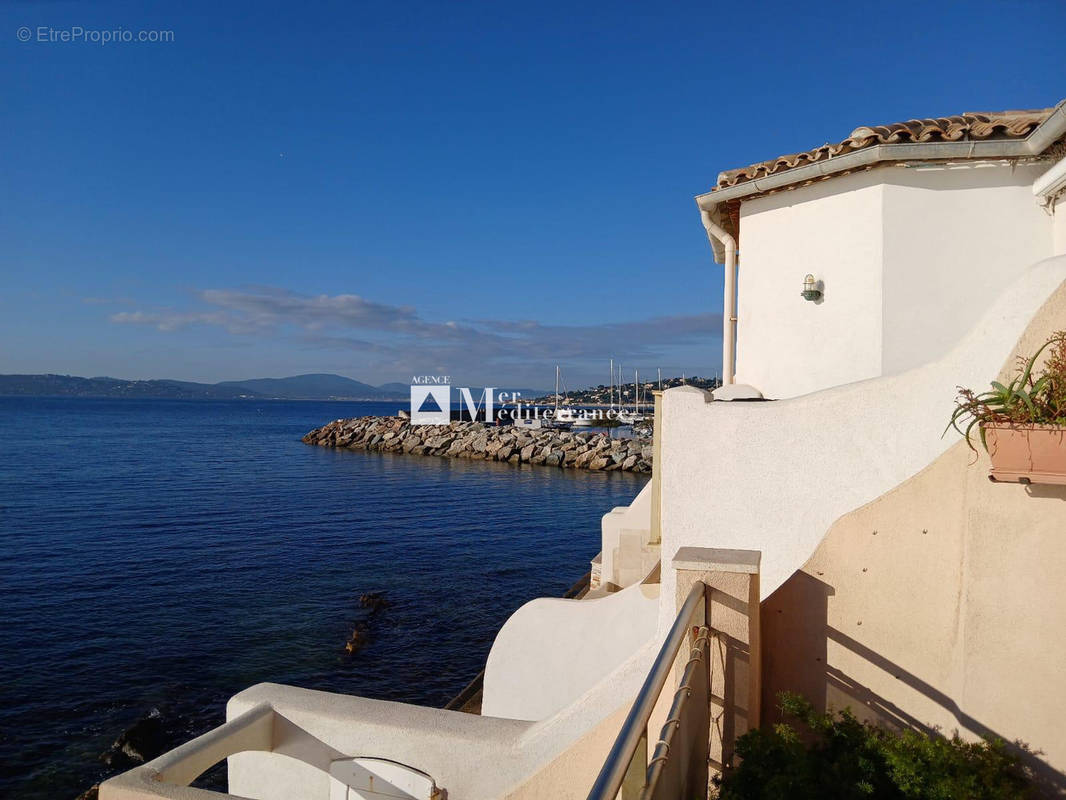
729, 306
1051, 184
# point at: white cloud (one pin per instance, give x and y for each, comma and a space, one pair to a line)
396, 337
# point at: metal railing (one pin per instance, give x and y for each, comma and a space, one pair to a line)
625, 761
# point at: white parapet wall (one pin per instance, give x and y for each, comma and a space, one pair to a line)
773, 476
287, 743
469, 756
626, 554
551, 652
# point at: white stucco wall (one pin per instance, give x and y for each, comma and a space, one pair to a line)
910, 258
624, 534
1058, 225
470, 756
955, 595
787, 346
551, 651
953, 238
774, 476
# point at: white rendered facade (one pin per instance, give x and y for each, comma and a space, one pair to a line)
909, 257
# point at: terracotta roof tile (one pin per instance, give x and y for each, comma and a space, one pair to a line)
972, 125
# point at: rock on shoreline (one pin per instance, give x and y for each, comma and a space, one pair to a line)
552, 448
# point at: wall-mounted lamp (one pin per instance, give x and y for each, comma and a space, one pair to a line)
810, 289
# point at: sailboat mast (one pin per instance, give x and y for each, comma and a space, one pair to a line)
556, 387
610, 391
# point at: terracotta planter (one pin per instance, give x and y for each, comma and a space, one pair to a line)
1027, 453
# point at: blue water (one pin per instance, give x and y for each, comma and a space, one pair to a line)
171, 553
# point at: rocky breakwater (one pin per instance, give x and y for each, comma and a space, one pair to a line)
552, 448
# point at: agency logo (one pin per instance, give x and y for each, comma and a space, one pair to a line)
431, 401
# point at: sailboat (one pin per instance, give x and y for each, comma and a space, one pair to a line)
561, 417
634, 416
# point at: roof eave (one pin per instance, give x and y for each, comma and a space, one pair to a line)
1043, 136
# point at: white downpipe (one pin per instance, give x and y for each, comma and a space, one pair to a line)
729, 307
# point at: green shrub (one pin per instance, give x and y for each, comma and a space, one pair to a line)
833, 757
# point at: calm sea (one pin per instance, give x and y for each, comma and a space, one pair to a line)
167, 554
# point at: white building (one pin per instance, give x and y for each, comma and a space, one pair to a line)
912, 229
830, 542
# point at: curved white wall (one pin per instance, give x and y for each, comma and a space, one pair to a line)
774, 476
470, 756
550, 651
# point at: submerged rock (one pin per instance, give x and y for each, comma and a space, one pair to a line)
360, 636
142, 741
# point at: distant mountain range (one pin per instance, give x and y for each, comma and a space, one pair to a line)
297, 387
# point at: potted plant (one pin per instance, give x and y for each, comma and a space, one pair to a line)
1022, 424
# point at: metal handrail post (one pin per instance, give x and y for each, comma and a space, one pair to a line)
613, 773
698, 662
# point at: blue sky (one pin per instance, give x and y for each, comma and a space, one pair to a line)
387, 189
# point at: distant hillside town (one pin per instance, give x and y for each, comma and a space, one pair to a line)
604, 395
